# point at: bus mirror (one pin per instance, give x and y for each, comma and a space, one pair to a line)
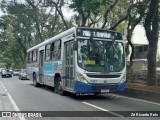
75, 45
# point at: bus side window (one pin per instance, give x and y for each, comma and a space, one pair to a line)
56, 50
52, 51
35, 56
30, 57
48, 52
27, 57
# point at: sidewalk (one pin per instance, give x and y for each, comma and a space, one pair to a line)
2, 94
5, 103
142, 94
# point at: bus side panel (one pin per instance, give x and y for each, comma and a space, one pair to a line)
32, 68
50, 69
48, 74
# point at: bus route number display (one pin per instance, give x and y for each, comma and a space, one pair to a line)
98, 33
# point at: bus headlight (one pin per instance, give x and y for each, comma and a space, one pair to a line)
81, 78
123, 79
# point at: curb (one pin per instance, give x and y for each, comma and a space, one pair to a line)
142, 94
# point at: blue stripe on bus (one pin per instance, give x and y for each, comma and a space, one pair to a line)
51, 67
80, 87
121, 87
47, 68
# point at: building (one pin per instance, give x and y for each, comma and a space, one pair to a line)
140, 43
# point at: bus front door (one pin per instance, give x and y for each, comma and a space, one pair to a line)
68, 65
41, 66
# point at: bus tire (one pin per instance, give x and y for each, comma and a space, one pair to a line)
60, 88
35, 81
55, 86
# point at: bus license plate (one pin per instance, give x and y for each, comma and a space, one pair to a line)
104, 91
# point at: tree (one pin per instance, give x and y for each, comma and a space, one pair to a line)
136, 13
58, 8
11, 51
152, 31
27, 24
89, 12
118, 15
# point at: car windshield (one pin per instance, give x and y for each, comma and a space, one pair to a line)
7, 70
100, 56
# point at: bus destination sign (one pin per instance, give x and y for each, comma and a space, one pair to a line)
98, 33
101, 34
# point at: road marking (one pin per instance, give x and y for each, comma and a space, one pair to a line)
150, 102
102, 109
12, 101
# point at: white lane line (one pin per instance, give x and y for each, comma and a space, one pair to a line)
102, 109
150, 102
12, 101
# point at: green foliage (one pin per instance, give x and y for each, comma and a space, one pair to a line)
25, 25
89, 9
93, 6
107, 13
121, 26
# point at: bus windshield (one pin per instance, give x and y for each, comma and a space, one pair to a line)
100, 56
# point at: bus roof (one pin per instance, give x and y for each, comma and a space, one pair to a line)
67, 32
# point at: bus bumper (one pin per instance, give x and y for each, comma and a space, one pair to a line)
80, 87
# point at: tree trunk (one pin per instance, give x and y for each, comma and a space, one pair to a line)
152, 31
151, 56
129, 36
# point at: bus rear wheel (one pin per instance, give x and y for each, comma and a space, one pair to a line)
35, 80
60, 88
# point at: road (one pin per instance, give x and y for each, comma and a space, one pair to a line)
26, 97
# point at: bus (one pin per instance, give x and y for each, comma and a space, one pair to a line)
80, 60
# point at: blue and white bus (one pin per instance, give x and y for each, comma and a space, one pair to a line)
79, 60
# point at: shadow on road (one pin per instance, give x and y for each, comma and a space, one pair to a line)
107, 96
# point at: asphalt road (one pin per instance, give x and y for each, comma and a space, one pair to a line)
29, 98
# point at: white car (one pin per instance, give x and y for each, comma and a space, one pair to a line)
16, 72
23, 74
